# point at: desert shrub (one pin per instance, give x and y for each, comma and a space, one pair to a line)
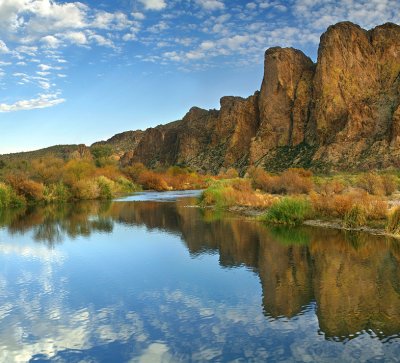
296, 181
153, 181
106, 187
338, 205
375, 207
101, 151
25, 187
134, 171
86, 189
58, 192
393, 223
376, 184
290, 211
372, 183
264, 181
216, 195
4, 196
329, 187
177, 181
234, 193
230, 173
177, 170
47, 169
9, 198
355, 217
76, 170
125, 186
109, 171
291, 181
242, 185
389, 184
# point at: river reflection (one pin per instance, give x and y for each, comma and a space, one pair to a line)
164, 281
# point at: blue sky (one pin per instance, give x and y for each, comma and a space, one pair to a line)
78, 72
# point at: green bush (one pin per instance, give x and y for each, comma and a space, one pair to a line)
9, 198
215, 195
86, 189
125, 186
58, 192
106, 187
290, 211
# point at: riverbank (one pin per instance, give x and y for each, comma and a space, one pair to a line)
91, 176
367, 202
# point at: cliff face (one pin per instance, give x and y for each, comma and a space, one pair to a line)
207, 140
341, 113
356, 93
284, 101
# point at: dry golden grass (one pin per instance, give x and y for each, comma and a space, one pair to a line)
377, 184
393, 223
237, 192
338, 205
291, 181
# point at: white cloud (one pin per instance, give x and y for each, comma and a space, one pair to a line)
251, 6
3, 47
44, 84
44, 67
77, 38
129, 37
319, 14
111, 21
50, 14
154, 4
138, 16
100, 40
51, 41
207, 45
211, 4
42, 101
159, 27
29, 50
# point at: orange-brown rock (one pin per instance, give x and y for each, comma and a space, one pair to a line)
284, 100
342, 113
206, 140
356, 91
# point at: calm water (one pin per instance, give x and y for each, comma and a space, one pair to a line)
153, 280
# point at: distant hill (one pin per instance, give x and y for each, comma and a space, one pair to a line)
60, 151
341, 113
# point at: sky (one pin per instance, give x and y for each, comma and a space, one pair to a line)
79, 72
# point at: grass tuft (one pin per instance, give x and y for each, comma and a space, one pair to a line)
355, 217
393, 223
289, 211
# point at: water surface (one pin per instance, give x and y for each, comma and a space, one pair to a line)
153, 279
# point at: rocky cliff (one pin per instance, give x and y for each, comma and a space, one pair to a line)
340, 113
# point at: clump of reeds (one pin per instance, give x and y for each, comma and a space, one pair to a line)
289, 211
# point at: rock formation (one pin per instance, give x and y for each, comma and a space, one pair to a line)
341, 113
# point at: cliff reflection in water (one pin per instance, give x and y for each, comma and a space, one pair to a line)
354, 279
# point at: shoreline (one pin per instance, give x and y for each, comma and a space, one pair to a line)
254, 213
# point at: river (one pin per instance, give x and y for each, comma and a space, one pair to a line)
151, 278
